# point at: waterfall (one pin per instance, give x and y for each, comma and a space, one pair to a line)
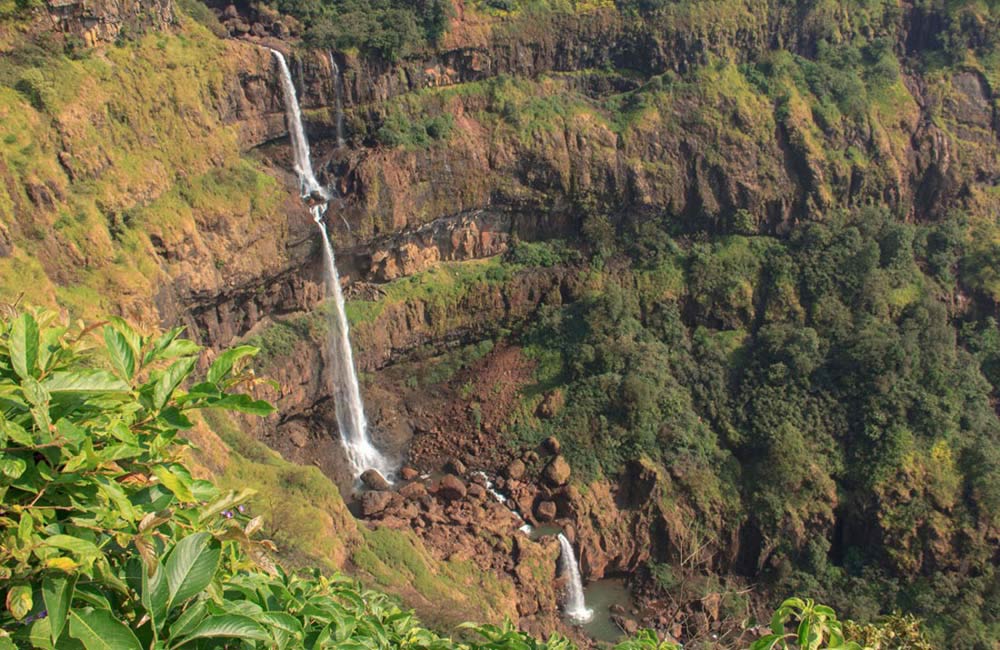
347, 395
361, 453
338, 96
575, 606
300, 145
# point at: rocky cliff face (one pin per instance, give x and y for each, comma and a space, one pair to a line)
99, 23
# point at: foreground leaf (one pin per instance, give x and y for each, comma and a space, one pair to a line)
98, 629
191, 566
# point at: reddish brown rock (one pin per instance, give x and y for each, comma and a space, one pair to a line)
451, 488
557, 472
552, 445
408, 473
545, 511
516, 469
413, 491
373, 503
375, 481
477, 492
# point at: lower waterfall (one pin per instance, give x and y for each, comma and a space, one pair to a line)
575, 606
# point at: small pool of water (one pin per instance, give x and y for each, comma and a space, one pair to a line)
541, 530
600, 596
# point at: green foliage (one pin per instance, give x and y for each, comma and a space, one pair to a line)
398, 130
541, 254
388, 28
809, 380
815, 628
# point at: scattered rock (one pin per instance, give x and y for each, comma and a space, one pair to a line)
557, 472
477, 491
230, 12
374, 481
455, 466
545, 511
451, 488
516, 469
298, 436
530, 457
552, 445
372, 503
408, 473
617, 609
413, 491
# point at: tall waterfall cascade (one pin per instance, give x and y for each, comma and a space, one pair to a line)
575, 606
338, 98
361, 453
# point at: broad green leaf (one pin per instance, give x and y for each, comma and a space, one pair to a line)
40, 635
50, 345
243, 404
180, 348
191, 566
155, 595
121, 353
174, 482
778, 622
19, 601
282, 621
221, 367
170, 380
804, 631
57, 592
81, 547
187, 621
99, 630
766, 642
17, 433
161, 344
83, 383
34, 392
12, 467
226, 626
24, 346
128, 333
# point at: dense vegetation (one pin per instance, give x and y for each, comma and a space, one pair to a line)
812, 389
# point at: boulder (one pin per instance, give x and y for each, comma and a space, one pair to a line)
230, 12
516, 469
408, 473
413, 491
455, 466
374, 481
477, 492
545, 511
557, 472
373, 503
552, 445
451, 488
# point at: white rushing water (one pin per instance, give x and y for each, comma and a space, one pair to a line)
300, 145
338, 98
575, 607
361, 453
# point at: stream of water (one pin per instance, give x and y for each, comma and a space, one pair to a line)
361, 453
